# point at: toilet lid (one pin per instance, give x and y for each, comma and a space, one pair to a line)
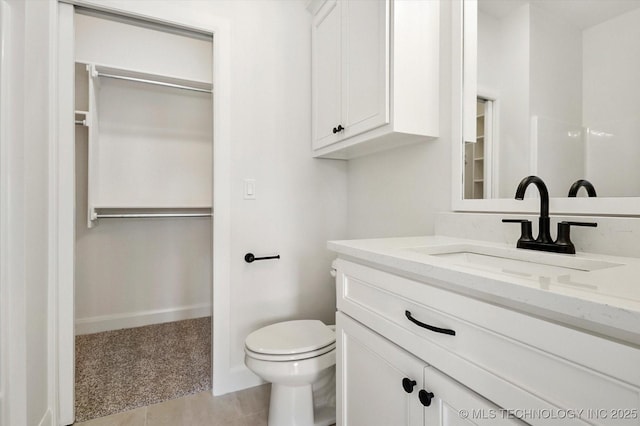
290, 337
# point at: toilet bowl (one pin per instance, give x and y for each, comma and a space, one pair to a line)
293, 356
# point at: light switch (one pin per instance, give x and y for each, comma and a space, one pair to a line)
249, 189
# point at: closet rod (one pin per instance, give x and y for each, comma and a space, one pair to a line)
159, 83
148, 215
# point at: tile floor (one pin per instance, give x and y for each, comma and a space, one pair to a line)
248, 407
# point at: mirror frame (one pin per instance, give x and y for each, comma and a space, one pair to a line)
601, 206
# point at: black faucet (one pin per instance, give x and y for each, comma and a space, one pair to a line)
573, 191
544, 223
544, 242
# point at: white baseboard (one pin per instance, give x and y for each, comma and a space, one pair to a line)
237, 378
141, 318
47, 420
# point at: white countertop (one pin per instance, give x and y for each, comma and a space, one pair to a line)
603, 301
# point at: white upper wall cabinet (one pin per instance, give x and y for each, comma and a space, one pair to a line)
375, 75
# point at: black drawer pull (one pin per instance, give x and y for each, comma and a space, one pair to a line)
429, 327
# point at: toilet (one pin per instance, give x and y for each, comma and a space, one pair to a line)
295, 356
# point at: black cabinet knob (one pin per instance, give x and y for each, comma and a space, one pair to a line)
338, 129
425, 397
408, 384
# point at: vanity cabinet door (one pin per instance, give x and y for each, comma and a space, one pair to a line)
370, 374
453, 404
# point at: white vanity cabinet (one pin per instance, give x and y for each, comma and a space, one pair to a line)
375, 75
472, 355
382, 384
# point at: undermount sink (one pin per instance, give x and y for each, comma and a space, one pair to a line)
525, 263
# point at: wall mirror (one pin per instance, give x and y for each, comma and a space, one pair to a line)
549, 88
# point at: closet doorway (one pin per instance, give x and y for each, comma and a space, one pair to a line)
143, 263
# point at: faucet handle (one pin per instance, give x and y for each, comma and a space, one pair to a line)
525, 229
569, 223
564, 236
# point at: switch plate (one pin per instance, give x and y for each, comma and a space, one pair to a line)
249, 189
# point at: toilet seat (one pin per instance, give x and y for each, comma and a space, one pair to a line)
291, 340
290, 357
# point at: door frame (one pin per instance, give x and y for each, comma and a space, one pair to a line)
13, 344
62, 202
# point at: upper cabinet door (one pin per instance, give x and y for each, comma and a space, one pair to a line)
365, 65
325, 34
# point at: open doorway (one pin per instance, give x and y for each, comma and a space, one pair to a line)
479, 161
143, 228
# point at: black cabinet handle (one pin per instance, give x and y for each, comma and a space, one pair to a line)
338, 129
429, 327
425, 397
408, 384
249, 257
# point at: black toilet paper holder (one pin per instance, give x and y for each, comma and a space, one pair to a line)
250, 257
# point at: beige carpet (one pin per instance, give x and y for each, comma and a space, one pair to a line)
125, 369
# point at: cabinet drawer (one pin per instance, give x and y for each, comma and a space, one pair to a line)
513, 359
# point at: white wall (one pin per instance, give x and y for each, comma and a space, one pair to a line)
489, 52
398, 192
555, 67
25, 189
134, 272
504, 48
146, 49
301, 202
609, 57
611, 109
556, 101
515, 105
